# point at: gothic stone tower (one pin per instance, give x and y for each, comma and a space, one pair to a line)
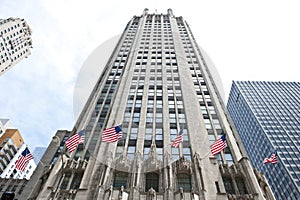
156, 82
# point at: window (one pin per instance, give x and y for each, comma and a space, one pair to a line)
207, 124
159, 151
184, 181
228, 156
152, 181
241, 185
133, 133
217, 186
119, 150
120, 179
21, 188
65, 181
146, 152
175, 153
159, 134
217, 124
76, 180
228, 185
187, 153
130, 152
136, 117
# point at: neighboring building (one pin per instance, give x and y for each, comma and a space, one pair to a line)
11, 147
10, 142
4, 124
11, 172
14, 135
156, 82
52, 154
15, 42
38, 153
13, 185
267, 118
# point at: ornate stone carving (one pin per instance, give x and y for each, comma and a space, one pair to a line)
121, 192
151, 194
109, 158
152, 163
122, 163
182, 165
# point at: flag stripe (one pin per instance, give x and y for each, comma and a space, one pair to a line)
26, 156
272, 159
219, 145
74, 140
178, 139
112, 134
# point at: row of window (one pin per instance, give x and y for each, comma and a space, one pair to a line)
254, 139
183, 181
103, 105
211, 120
13, 187
154, 103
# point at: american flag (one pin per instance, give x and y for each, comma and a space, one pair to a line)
219, 145
178, 139
26, 156
73, 141
272, 159
112, 134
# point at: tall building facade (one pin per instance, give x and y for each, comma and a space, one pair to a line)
15, 42
155, 84
266, 116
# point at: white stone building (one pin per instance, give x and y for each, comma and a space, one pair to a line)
11, 172
15, 42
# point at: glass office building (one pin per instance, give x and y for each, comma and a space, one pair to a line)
156, 83
267, 118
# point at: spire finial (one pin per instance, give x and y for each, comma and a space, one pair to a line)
146, 10
170, 12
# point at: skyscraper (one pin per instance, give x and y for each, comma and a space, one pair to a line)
266, 116
158, 87
15, 42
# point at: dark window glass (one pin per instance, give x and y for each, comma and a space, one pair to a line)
228, 185
241, 185
184, 181
217, 186
65, 181
120, 179
152, 181
76, 180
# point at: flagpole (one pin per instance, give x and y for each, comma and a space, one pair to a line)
56, 140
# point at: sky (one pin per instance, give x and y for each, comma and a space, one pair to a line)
246, 40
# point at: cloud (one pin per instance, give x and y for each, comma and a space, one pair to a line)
246, 41
38, 90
